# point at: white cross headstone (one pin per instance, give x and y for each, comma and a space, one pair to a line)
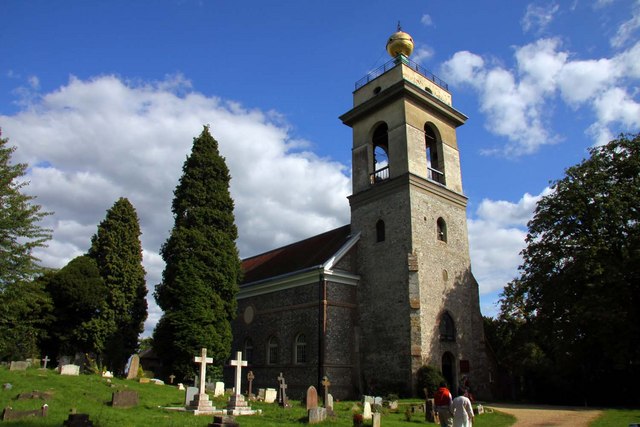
45, 360
238, 363
203, 360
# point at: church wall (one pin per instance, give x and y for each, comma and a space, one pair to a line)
382, 293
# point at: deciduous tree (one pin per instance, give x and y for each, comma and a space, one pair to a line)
200, 280
579, 289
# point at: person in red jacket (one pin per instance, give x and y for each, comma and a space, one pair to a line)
442, 401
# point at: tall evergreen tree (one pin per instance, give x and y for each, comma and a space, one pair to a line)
117, 250
22, 300
200, 280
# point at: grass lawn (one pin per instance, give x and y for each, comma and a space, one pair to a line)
617, 417
91, 394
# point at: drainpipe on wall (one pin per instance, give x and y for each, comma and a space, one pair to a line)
322, 327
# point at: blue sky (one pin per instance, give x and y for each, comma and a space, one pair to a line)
103, 99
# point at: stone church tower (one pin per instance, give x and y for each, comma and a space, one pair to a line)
417, 299
369, 303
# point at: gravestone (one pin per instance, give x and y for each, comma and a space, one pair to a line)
250, 378
11, 414
312, 398
45, 360
237, 405
261, 393
171, 378
270, 395
134, 365
107, 374
224, 421
376, 419
377, 400
326, 384
189, 395
367, 399
44, 395
201, 402
366, 413
282, 398
78, 420
73, 370
64, 360
317, 415
180, 386
34, 362
218, 389
124, 399
20, 365
329, 404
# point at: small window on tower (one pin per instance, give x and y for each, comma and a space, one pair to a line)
447, 328
301, 349
442, 230
272, 351
380, 231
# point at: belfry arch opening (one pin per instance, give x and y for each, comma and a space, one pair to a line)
433, 151
380, 145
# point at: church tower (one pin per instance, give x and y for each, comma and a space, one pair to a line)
418, 301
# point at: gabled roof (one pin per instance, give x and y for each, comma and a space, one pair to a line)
311, 252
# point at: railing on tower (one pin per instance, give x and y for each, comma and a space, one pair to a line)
437, 176
379, 175
400, 59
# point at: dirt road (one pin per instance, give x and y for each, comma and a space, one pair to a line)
548, 416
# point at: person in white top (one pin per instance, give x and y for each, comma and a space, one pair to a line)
462, 412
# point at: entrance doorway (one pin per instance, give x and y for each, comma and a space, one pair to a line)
448, 371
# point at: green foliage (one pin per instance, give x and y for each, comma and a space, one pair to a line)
578, 296
25, 306
202, 272
78, 295
428, 377
117, 250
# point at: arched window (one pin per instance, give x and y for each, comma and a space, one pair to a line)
380, 143
442, 229
248, 350
380, 231
301, 349
435, 165
272, 351
447, 328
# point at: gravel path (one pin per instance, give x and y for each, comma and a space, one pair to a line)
548, 416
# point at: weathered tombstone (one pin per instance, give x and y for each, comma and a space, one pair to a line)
366, 413
224, 421
180, 386
429, 411
219, 389
73, 370
377, 400
312, 398
317, 415
376, 419
250, 378
190, 394
171, 378
45, 360
330, 403
78, 420
124, 399
20, 365
326, 384
282, 396
11, 414
44, 395
270, 395
64, 360
134, 365
261, 394
201, 401
368, 399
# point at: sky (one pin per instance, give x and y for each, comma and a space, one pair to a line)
103, 100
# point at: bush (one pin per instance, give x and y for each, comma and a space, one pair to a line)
429, 378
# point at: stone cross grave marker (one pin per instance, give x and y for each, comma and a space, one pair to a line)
45, 360
250, 378
238, 363
283, 391
312, 398
326, 384
203, 360
171, 378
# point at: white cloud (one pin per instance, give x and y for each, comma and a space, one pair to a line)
422, 53
538, 18
496, 238
100, 139
426, 20
627, 28
518, 103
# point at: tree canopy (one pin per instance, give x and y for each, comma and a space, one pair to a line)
578, 295
202, 272
24, 303
117, 251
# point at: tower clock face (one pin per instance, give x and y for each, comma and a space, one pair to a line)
249, 314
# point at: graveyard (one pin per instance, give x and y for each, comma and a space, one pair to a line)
144, 403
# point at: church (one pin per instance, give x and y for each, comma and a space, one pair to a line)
369, 303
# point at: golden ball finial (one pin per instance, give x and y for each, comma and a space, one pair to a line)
399, 43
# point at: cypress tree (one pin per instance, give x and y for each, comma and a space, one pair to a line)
117, 250
200, 280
